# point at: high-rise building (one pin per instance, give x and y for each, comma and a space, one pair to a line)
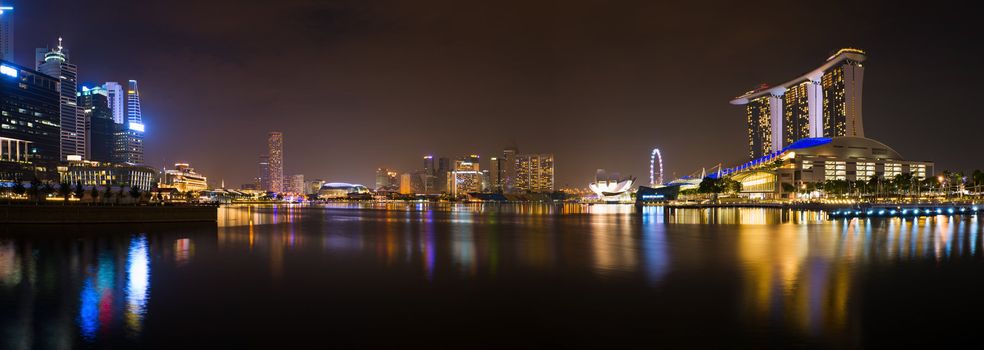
29, 112
387, 180
429, 165
495, 174
263, 178
6, 33
467, 163
534, 173
100, 128
825, 102
129, 140
461, 182
55, 63
443, 172
509, 168
296, 184
405, 187
275, 144
117, 101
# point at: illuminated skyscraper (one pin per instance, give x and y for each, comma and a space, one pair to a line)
6, 33
263, 179
508, 168
117, 101
495, 174
387, 180
100, 128
129, 135
534, 173
825, 102
55, 63
275, 143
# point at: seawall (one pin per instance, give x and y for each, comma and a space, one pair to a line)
79, 214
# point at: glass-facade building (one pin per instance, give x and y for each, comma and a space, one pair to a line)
100, 127
825, 102
29, 112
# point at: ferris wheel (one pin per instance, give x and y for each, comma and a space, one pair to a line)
656, 168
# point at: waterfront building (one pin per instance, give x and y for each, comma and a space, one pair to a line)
387, 180
496, 172
30, 116
443, 173
405, 187
462, 182
825, 102
100, 127
534, 173
184, 178
263, 178
117, 101
342, 190
509, 168
275, 144
313, 186
55, 63
91, 173
6, 33
612, 187
818, 160
296, 184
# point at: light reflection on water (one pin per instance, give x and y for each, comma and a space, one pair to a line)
777, 271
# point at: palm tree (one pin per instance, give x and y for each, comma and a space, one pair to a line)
64, 190
79, 191
94, 193
108, 193
135, 193
978, 177
46, 190
19, 188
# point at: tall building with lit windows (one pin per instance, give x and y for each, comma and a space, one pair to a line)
534, 173
6, 33
29, 114
117, 101
100, 129
825, 102
55, 63
129, 140
275, 145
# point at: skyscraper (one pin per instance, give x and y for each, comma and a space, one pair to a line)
6, 33
263, 178
443, 171
275, 144
100, 128
56, 64
117, 101
534, 173
387, 180
508, 168
29, 105
495, 174
825, 102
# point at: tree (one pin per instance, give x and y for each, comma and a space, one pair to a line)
135, 192
94, 193
64, 190
35, 190
108, 193
46, 190
19, 188
79, 190
978, 177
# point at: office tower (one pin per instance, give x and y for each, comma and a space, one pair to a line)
467, 163
263, 178
129, 139
117, 101
429, 165
495, 175
296, 184
534, 173
405, 187
30, 105
509, 168
6, 33
387, 180
100, 128
275, 143
56, 64
825, 102
133, 113
461, 182
443, 171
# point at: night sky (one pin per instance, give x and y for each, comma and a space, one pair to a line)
356, 85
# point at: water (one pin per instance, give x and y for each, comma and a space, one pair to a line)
496, 276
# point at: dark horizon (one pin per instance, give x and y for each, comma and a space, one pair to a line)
357, 85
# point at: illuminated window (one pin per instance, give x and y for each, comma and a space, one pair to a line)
835, 170
892, 170
865, 171
918, 171
807, 164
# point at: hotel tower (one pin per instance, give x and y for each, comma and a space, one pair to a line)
825, 102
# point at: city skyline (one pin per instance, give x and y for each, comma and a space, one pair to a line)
636, 65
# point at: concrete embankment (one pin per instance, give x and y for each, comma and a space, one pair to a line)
78, 214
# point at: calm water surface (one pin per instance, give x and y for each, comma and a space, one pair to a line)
496, 276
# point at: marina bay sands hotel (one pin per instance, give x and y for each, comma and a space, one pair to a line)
825, 102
